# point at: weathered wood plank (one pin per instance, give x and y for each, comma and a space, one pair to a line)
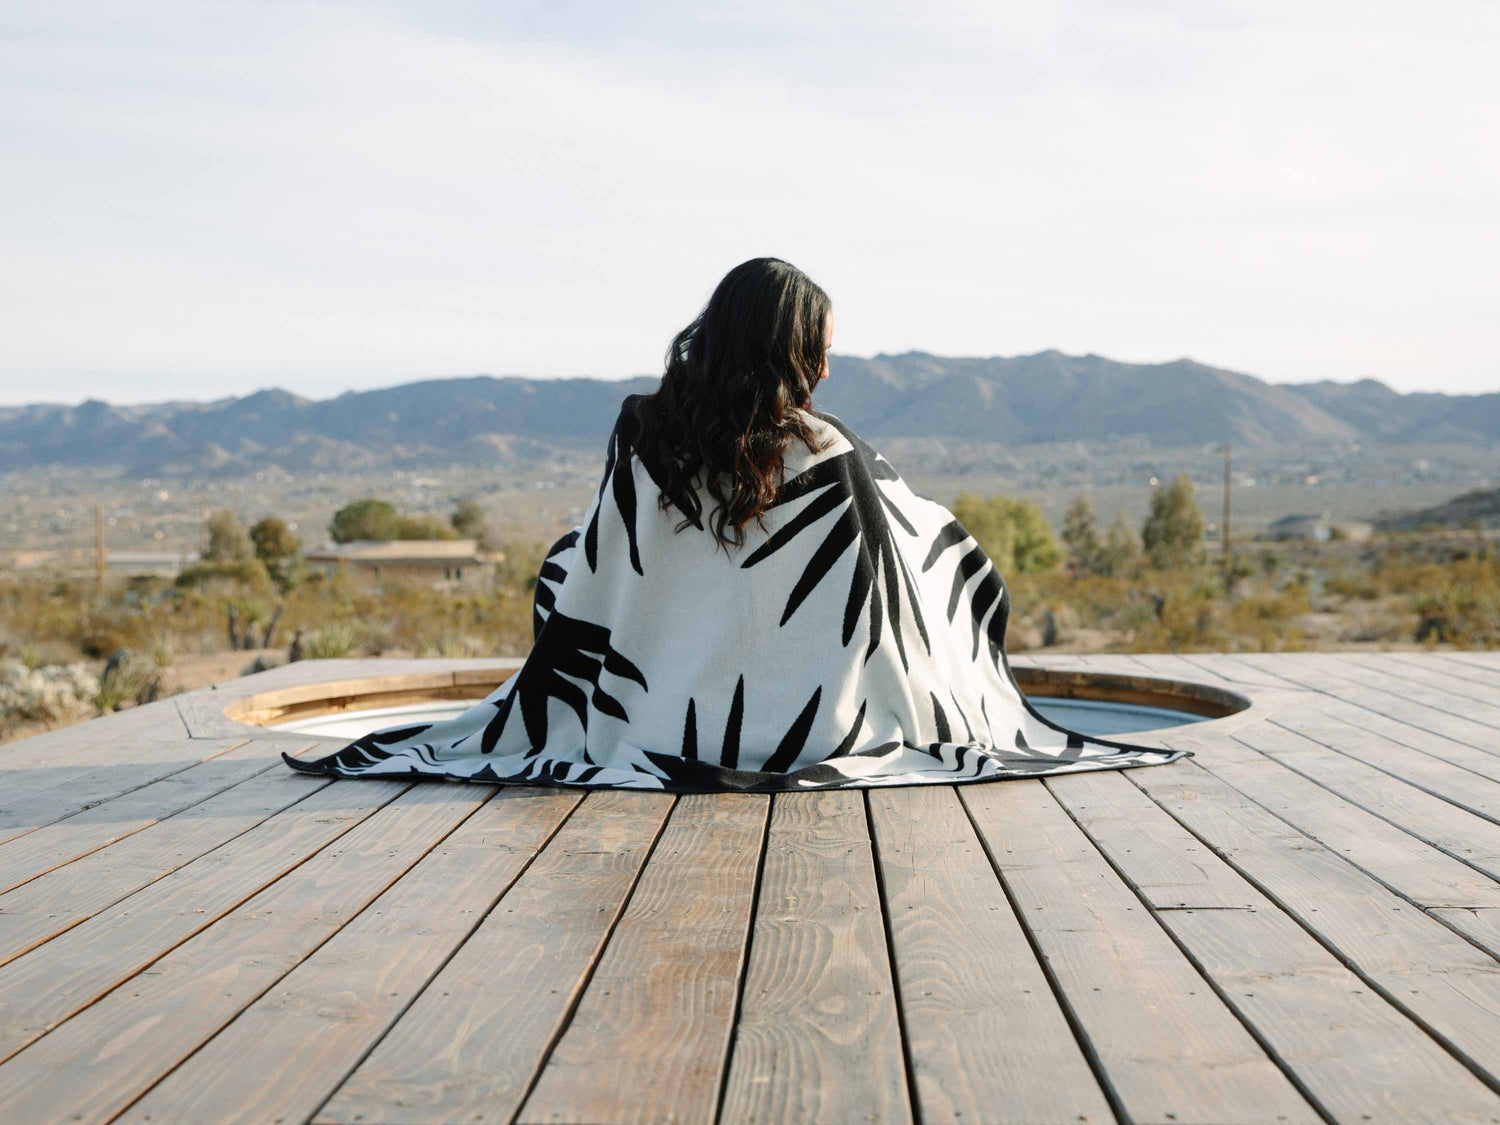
1373, 730
38, 796
987, 1039
649, 1038
60, 899
1428, 687
1454, 830
1451, 770
1407, 865
49, 846
1474, 681
44, 987
1471, 661
1419, 963
97, 740
818, 1038
470, 1046
96, 1063
280, 1059
1390, 704
1171, 1049
1359, 1057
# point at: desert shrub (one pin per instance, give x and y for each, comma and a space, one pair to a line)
249, 572
340, 638
50, 693
1186, 622
1458, 612
228, 541
1362, 587
126, 679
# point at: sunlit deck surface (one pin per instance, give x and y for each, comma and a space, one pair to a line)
1300, 923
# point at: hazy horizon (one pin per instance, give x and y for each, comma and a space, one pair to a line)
334, 388
209, 197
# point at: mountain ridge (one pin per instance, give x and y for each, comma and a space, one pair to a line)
481, 419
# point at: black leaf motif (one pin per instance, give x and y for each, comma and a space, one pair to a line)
940, 717
690, 732
843, 748
619, 476
795, 739
957, 706
989, 592
729, 756
847, 481
565, 647
544, 597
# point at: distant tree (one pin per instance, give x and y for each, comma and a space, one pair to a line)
228, 541
422, 527
468, 519
1119, 549
280, 551
364, 519
1012, 532
273, 540
1173, 532
1080, 534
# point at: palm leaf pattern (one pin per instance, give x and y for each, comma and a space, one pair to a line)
989, 592
551, 575
845, 483
566, 649
620, 455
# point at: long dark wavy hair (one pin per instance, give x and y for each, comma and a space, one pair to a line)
728, 403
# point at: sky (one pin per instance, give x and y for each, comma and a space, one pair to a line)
203, 198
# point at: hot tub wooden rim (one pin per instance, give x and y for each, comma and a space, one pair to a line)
473, 684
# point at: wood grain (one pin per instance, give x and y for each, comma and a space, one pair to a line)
470, 1046
1400, 860
44, 987
987, 1039
280, 1059
51, 845
96, 1063
1430, 970
1361, 1058
649, 1038
60, 899
1171, 1048
818, 1038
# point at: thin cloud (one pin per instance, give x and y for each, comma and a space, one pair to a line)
206, 198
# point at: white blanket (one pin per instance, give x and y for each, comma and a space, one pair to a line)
859, 640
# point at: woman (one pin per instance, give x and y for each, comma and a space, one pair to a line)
786, 614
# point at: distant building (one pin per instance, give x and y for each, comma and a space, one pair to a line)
1319, 528
442, 562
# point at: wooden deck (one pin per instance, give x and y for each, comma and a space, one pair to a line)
1300, 923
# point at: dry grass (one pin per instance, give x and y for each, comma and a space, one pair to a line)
1414, 590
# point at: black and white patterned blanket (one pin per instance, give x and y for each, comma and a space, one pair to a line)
859, 640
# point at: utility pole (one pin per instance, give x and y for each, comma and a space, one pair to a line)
99, 548
1224, 535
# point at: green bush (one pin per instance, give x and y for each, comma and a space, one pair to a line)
243, 572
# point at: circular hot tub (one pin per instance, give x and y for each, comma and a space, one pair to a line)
1091, 703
